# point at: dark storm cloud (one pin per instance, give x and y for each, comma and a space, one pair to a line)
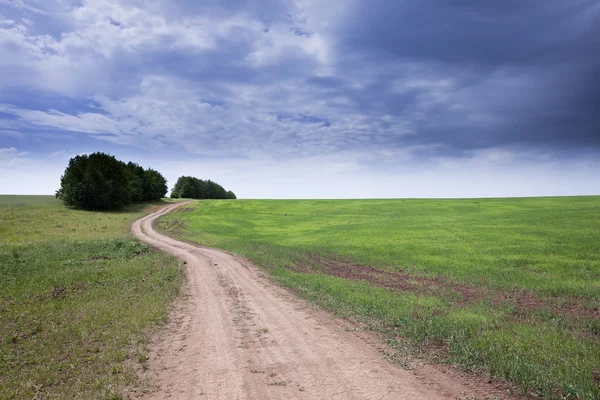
532, 68
476, 32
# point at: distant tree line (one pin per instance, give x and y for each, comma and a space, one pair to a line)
193, 188
101, 182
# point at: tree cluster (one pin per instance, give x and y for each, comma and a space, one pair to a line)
193, 188
101, 182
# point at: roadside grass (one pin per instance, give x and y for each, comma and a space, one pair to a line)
546, 247
77, 296
536, 358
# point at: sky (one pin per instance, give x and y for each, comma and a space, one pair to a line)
307, 98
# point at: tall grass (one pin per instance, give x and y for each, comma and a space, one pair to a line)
77, 295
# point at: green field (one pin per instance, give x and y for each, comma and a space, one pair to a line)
27, 200
77, 298
506, 287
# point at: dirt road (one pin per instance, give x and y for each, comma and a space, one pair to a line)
240, 337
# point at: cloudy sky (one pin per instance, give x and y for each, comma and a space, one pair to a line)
307, 98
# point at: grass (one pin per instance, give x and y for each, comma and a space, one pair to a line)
545, 249
27, 200
77, 297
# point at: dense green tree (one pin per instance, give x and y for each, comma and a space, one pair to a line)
99, 181
194, 188
185, 188
155, 185
95, 182
136, 181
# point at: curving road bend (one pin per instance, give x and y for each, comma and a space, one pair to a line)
238, 336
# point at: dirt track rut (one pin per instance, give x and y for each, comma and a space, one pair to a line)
237, 336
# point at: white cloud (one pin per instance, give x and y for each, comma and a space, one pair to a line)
6, 21
20, 4
10, 153
61, 153
11, 158
99, 35
257, 121
284, 41
91, 123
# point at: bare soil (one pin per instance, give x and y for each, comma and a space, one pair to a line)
235, 335
522, 301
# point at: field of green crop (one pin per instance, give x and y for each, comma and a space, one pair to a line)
77, 296
505, 287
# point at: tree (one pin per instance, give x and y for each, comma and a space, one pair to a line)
99, 182
185, 188
136, 178
154, 186
194, 188
95, 182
